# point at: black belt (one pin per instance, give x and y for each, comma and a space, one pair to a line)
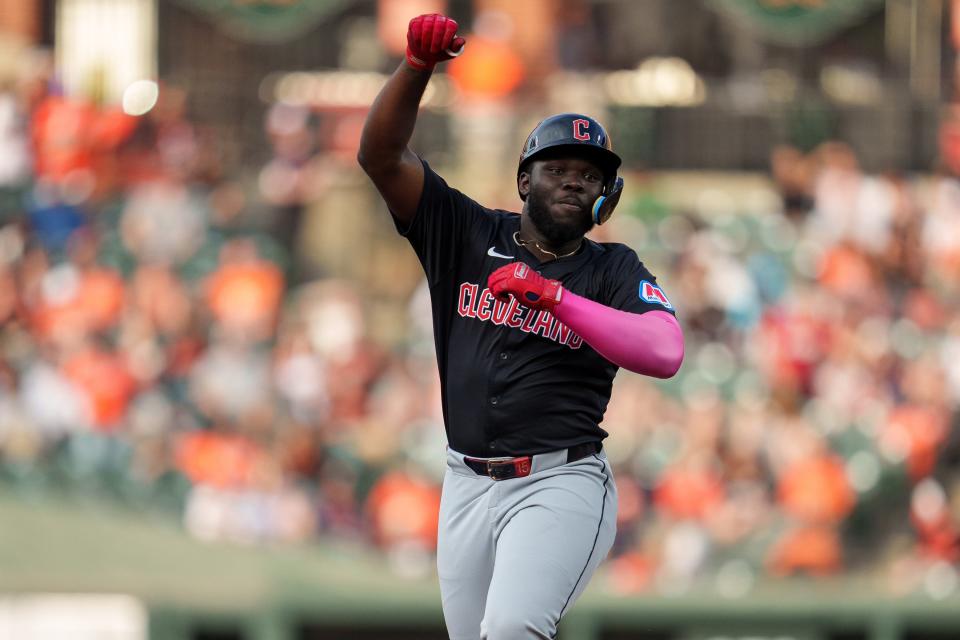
518, 467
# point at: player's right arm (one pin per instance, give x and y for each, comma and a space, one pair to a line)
384, 155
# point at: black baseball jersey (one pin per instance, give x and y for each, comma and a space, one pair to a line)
516, 381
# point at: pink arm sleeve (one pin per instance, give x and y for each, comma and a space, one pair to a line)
648, 343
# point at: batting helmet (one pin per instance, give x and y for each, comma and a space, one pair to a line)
582, 136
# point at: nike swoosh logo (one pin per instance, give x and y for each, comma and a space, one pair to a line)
493, 254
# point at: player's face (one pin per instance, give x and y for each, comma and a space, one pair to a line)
561, 194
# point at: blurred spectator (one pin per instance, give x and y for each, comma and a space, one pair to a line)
14, 151
793, 174
163, 222
244, 292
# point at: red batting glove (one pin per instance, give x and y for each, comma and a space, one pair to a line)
526, 285
431, 39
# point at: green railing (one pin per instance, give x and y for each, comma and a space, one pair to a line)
810, 617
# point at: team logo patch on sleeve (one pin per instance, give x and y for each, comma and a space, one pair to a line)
653, 294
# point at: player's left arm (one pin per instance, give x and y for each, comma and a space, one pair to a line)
648, 343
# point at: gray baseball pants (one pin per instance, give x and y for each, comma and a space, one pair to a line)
514, 555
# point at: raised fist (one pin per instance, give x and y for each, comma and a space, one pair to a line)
526, 285
431, 39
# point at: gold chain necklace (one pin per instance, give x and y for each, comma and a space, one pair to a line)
524, 243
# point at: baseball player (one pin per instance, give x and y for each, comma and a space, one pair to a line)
531, 322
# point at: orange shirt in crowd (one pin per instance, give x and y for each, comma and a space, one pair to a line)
161, 297
811, 549
71, 135
95, 305
246, 296
688, 492
220, 460
403, 508
101, 296
816, 489
105, 381
846, 272
915, 432
61, 131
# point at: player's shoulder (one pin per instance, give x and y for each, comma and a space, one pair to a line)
611, 248
614, 253
433, 181
436, 183
617, 260
504, 216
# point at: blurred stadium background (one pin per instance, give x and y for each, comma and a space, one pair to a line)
219, 413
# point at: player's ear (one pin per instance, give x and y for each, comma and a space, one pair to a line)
523, 184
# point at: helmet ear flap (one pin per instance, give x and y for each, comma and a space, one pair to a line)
604, 205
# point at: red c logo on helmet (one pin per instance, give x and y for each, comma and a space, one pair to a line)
579, 129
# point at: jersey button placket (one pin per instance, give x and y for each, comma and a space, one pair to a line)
492, 432
495, 393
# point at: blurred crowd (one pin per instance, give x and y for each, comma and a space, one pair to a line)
815, 429
159, 349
